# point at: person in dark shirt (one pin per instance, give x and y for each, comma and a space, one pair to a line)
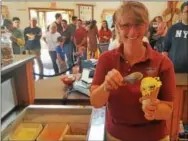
68, 45
72, 26
58, 21
32, 35
151, 32
176, 42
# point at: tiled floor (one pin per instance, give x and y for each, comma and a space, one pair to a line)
47, 63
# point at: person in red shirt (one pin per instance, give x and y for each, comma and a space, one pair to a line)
105, 33
125, 118
80, 39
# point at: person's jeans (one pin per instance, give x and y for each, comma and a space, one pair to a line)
53, 56
68, 49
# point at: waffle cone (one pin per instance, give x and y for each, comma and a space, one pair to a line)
153, 94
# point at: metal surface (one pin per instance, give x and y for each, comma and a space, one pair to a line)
96, 128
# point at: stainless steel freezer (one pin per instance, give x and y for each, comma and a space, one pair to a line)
90, 122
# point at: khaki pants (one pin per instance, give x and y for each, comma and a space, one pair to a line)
111, 138
37, 53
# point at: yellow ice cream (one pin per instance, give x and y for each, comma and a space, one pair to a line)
149, 84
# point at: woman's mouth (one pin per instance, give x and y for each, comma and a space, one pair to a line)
132, 38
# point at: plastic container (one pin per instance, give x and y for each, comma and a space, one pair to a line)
52, 132
26, 132
6, 47
76, 132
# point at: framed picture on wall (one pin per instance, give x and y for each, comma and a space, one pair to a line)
85, 12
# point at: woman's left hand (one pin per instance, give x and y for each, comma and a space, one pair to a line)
150, 109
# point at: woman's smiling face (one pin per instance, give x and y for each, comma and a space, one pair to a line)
132, 22
131, 29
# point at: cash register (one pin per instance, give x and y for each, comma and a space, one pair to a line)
84, 83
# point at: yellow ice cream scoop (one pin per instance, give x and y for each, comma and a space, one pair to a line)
149, 85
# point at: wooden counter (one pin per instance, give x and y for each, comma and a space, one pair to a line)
180, 111
53, 91
21, 70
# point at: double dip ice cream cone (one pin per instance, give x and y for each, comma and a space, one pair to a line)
149, 88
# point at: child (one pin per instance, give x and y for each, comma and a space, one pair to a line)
61, 54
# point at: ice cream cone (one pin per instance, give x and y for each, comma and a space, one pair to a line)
151, 95
149, 88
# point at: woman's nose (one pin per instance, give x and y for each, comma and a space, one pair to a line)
132, 32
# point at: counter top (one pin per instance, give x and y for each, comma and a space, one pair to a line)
182, 79
54, 89
17, 62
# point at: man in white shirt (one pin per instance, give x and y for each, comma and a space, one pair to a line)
51, 40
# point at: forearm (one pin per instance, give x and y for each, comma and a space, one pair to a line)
99, 97
164, 111
59, 58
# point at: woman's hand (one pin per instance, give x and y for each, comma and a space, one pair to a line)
150, 108
113, 80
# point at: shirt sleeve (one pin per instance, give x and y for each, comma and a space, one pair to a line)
168, 40
58, 50
167, 77
101, 70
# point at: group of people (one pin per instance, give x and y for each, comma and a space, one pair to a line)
64, 41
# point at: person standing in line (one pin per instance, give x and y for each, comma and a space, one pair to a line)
67, 47
61, 54
16, 24
51, 40
17, 36
80, 39
105, 33
58, 20
92, 38
32, 36
176, 42
72, 28
160, 34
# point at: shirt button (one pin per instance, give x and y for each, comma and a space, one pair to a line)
129, 70
127, 62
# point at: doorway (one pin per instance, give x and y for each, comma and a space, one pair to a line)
46, 16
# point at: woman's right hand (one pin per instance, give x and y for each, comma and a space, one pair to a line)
113, 80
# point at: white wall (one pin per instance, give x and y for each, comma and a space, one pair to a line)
20, 9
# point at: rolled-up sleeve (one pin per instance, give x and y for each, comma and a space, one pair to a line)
167, 76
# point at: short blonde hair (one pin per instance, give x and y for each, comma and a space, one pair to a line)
53, 25
137, 8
